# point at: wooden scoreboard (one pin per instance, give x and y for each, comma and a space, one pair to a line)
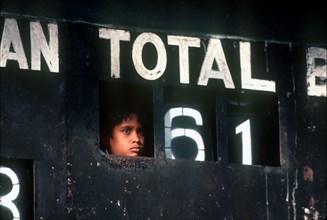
236, 119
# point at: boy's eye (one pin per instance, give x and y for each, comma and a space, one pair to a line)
140, 131
126, 130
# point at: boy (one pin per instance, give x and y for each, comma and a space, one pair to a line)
124, 135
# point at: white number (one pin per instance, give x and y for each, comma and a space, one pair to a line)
245, 129
7, 199
178, 132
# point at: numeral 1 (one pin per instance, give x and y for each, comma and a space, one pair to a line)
245, 129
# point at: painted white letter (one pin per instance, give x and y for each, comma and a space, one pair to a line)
247, 81
10, 36
215, 53
138, 45
115, 36
316, 70
39, 45
184, 43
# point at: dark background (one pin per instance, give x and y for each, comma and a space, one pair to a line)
266, 20
53, 118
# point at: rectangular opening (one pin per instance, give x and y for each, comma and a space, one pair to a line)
126, 118
253, 129
189, 123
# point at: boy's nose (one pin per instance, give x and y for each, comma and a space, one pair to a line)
136, 137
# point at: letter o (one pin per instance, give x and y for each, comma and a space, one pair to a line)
138, 45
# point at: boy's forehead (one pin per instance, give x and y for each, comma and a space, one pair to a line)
131, 117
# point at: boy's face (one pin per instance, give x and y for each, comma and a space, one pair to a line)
127, 138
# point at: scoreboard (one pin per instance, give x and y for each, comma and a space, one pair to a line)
233, 123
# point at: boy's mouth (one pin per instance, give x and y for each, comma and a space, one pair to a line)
136, 149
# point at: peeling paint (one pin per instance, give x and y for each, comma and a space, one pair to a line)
267, 198
296, 185
307, 173
310, 214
